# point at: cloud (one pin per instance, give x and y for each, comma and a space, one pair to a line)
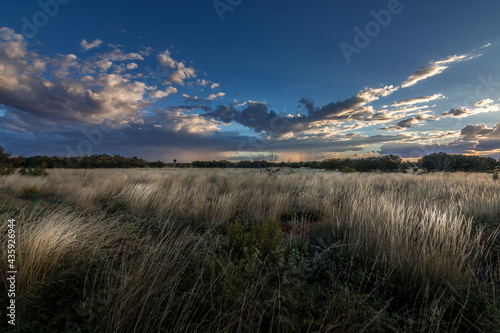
132, 65
119, 55
87, 46
483, 106
163, 93
481, 131
40, 92
434, 68
12, 44
180, 73
484, 102
176, 121
257, 117
473, 139
53, 98
423, 99
202, 82
211, 97
408, 123
459, 112
407, 150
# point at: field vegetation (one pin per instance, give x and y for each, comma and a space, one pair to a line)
240, 250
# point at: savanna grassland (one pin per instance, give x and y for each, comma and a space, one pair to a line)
232, 250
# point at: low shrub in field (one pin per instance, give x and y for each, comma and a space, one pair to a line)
31, 192
263, 237
348, 170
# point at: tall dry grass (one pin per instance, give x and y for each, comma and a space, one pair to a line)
419, 228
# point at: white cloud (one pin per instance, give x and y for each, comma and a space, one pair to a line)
163, 93
214, 85
484, 102
119, 55
165, 60
87, 46
132, 65
423, 99
12, 44
181, 72
434, 68
211, 97
64, 64
179, 122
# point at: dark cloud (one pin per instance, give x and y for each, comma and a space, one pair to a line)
259, 118
418, 150
472, 132
407, 123
473, 139
456, 112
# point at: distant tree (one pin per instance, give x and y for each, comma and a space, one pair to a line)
456, 162
4, 157
387, 163
6, 167
437, 162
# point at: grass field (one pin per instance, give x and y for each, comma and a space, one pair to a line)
237, 250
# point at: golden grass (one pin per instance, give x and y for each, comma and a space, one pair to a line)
418, 227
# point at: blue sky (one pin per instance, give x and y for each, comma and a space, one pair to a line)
239, 79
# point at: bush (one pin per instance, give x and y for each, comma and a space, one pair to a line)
348, 170
6, 167
39, 171
263, 237
31, 192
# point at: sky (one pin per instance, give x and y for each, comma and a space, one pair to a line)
242, 80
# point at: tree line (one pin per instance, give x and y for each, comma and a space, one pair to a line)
387, 163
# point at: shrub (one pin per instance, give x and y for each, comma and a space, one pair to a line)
348, 170
38, 171
263, 237
6, 167
31, 192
